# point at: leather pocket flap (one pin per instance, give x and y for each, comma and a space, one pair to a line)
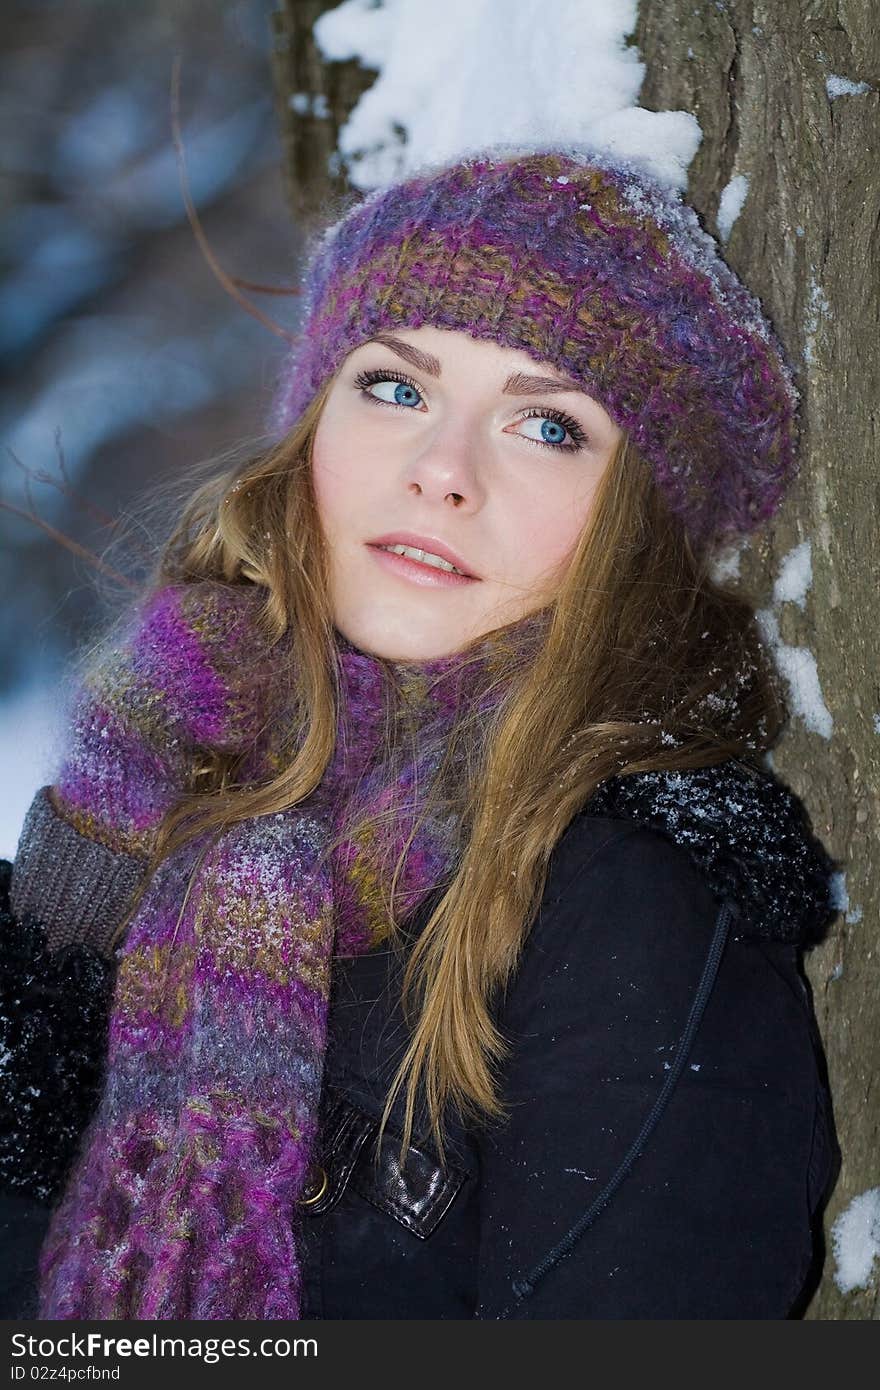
344, 1131
417, 1195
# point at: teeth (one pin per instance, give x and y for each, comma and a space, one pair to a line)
423, 556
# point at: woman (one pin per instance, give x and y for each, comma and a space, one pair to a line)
415, 831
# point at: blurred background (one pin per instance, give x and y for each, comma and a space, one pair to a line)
123, 357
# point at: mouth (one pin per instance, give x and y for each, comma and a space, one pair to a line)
420, 567
424, 550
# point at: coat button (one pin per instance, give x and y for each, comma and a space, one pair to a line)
314, 1187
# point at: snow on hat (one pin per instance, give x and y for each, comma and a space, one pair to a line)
586, 261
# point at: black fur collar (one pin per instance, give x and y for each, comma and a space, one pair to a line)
748, 832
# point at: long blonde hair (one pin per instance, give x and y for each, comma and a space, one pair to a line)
648, 663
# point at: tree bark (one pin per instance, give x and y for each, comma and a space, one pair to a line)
314, 99
753, 73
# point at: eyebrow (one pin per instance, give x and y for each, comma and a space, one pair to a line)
517, 384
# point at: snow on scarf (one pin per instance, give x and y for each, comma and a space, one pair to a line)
182, 1203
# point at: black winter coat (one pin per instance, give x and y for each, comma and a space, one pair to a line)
670, 1144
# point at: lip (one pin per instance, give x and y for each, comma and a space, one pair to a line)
426, 576
430, 543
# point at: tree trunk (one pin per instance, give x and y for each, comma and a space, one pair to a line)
754, 73
313, 99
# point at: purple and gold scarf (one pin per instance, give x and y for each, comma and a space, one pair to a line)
182, 1203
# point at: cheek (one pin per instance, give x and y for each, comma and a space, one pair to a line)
323, 480
348, 467
546, 526
335, 475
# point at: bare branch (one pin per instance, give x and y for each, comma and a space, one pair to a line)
225, 280
59, 451
264, 289
66, 489
69, 543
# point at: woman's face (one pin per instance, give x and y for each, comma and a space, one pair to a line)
449, 444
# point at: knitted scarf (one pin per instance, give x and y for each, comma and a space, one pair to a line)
182, 1203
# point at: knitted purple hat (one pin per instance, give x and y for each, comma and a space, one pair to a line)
585, 261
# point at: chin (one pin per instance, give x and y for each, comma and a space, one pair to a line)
401, 637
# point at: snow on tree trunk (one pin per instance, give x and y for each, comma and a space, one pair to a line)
313, 99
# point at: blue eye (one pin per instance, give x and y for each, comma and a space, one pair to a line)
552, 431
403, 393
554, 426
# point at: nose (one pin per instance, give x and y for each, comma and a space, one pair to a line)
446, 468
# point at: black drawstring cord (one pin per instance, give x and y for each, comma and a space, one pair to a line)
523, 1288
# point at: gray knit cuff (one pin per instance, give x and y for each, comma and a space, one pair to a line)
77, 889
